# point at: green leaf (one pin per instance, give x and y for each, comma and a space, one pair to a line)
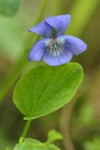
53, 147
9, 7
30, 144
53, 136
45, 89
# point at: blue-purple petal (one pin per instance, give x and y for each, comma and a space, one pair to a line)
60, 23
74, 44
43, 28
37, 51
63, 58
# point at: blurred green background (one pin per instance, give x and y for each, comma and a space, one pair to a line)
79, 121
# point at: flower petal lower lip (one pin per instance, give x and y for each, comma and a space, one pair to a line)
63, 58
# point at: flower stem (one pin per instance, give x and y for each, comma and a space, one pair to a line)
26, 128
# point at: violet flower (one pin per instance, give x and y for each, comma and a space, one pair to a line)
55, 47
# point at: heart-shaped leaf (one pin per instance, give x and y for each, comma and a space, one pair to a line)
45, 89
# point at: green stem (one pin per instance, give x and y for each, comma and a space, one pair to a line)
26, 128
15, 72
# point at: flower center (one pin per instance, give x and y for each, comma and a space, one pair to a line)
55, 46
